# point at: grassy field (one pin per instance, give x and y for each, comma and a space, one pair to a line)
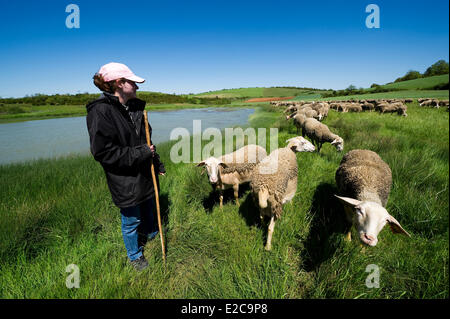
257, 92
59, 212
423, 83
25, 112
439, 94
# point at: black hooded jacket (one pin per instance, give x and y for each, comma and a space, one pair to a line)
118, 142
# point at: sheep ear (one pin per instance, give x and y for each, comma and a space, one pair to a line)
289, 140
348, 201
202, 163
396, 227
334, 142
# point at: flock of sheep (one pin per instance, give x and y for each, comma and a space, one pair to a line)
433, 103
363, 179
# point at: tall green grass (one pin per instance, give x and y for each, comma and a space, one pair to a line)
58, 212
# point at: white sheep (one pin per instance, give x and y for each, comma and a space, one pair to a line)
299, 121
319, 133
274, 181
233, 169
365, 179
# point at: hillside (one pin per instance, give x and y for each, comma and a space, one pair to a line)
417, 84
414, 94
423, 87
256, 92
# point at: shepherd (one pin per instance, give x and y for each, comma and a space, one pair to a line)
117, 131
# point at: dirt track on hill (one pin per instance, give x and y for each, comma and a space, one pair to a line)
266, 99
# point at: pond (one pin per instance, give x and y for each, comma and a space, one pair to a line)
59, 137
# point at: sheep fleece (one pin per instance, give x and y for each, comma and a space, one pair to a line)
363, 174
276, 183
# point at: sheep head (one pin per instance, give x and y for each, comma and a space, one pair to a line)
300, 144
369, 218
338, 142
263, 196
212, 166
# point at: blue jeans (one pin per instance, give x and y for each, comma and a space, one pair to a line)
138, 220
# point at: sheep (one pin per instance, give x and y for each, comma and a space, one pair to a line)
274, 181
310, 114
342, 107
353, 107
364, 182
398, 108
233, 169
401, 109
430, 102
443, 103
319, 133
299, 121
307, 112
291, 109
323, 111
334, 105
368, 106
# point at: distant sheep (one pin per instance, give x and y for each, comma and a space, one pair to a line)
299, 121
368, 106
319, 133
398, 108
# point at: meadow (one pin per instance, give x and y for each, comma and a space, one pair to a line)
59, 212
422, 83
258, 92
437, 94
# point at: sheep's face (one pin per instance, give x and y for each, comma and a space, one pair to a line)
212, 166
263, 196
300, 144
338, 143
369, 218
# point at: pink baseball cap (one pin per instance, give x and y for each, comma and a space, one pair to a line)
113, 71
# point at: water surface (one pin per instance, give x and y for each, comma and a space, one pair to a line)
30, 140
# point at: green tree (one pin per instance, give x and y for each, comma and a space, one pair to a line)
440, 67
351, 88
410, 75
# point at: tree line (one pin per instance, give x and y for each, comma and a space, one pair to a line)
85, 98
439, 68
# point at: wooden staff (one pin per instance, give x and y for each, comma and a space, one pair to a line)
155, 186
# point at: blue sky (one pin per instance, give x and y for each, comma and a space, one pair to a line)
197, 46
